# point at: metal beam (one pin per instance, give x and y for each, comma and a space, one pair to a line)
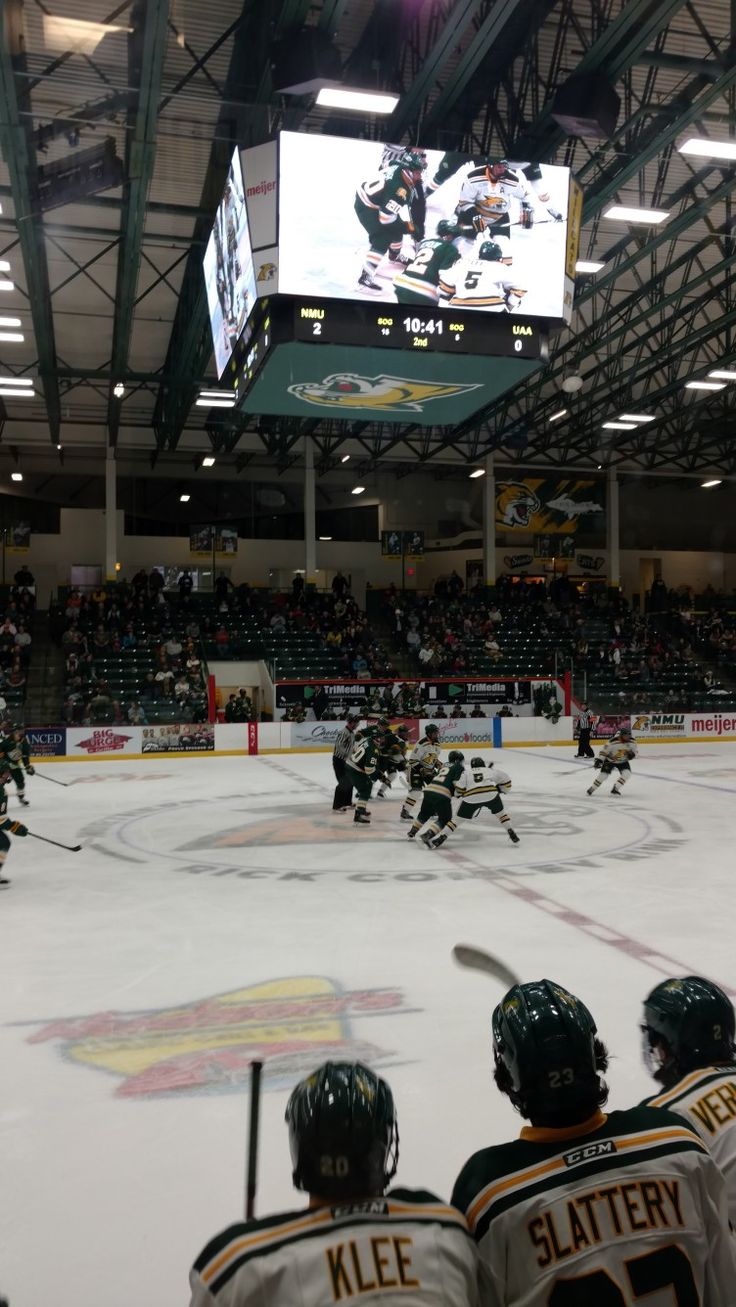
407, 111
18, 147
146, 51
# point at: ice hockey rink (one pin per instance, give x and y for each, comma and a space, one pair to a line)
219, 911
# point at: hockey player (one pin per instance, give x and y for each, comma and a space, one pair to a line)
354, 1242
16, 752
478, 283
7, 827
437, 800
588, 1208
390, 157
361, 771
486, 198
615, 755
392, 758
688, 1031
423, 765
480, 786
383, 208
422, 281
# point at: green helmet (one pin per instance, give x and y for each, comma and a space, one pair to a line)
477, 762
688, 1023
456, 756
343, 1135
491, 251
544, 1047
413, 161
403, 731
448, 227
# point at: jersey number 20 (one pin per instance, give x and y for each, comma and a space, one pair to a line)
664, 1268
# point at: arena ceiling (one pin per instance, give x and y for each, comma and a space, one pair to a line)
110, 288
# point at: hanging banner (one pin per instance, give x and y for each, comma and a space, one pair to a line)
201, 541
226, 540
559, 506
19, 541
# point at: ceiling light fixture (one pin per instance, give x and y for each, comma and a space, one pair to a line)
637, 417
357, 490
208, 461
216, 394
16, 381
77, 34
13, 392
215, 403
708, 485
325, 537
706, 149
622, 213
705, 385
479, 472
555, 417
345, 97
9, 322
345, 458
619, 426
118, 390
722, 374
7, 285
584, 265
4, 265
16, 476
12, 337
184, 499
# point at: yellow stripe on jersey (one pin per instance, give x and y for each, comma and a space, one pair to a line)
276, 1234
689, 1082
418, 287
478, 789
520, 1179
485, 300
397, 1208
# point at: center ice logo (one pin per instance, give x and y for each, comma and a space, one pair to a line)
348, 390
291, 1025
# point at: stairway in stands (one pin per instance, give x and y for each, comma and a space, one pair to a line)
45, 687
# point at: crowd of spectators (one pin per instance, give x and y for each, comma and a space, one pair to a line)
16, 639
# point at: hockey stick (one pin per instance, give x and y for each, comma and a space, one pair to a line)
70, 848
252, 1163
66, 784
476, 959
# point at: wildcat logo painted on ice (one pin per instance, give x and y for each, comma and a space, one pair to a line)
348, 390
291, 1025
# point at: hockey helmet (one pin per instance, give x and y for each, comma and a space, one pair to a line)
403, 731
688, 1023
456, 756
343, 1134
413, 164
625, 732
491, 251
448, 229
477, 762
544, 1048
432, 731
497, 167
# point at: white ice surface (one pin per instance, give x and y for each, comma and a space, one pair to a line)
108, 1195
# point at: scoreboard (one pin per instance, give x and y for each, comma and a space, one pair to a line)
307, 357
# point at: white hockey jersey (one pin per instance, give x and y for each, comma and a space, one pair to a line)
477, 284
625, 1209
492, 199
618, 751
426, 755
706, 1098
479, 785
407, 1248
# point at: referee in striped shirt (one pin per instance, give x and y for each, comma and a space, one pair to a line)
340, 755
585, 726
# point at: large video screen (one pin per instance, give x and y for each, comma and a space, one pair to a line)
228, 268
363, 221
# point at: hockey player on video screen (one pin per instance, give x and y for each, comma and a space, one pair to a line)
485, 203
383, 208
477, 283
390, 157
422, 281
450, 164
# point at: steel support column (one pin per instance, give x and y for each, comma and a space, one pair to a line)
612, 531
310, 543
489, 522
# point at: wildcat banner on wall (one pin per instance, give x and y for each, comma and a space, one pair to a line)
550, 505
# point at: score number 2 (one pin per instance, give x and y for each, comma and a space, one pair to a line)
664, 1268
317, 329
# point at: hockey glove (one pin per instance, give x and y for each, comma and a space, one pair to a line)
597, 764
30, 770
526, 217
512, 302
555, 215
478, 223
17, 828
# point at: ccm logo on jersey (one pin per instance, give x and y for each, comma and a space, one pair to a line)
602, 1149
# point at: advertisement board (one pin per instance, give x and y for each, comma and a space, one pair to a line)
650, 725
185, 737
102, 741
714, 724
605, 726
385, 204
228, 268
318, 696
480, 692
322, 735
47, 741
469, 731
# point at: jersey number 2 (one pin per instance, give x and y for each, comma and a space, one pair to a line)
665, 1268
